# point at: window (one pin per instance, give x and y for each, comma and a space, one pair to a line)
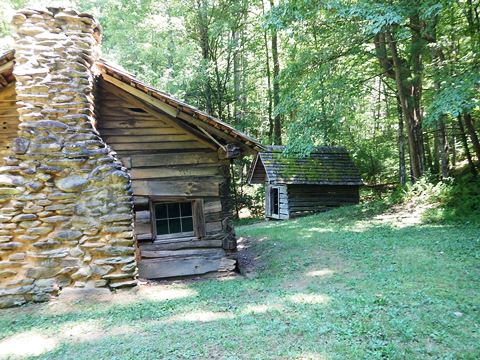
173, 218
274, 201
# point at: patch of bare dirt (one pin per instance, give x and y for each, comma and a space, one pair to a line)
404, 214
247, 260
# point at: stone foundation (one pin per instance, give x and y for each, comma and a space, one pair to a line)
65, 199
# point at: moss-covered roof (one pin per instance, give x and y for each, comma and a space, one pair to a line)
324, 166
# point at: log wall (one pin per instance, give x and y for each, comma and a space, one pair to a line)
166, 160
305, 199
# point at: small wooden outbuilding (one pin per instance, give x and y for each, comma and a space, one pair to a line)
296, 185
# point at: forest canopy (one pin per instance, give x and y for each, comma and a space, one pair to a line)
395, 82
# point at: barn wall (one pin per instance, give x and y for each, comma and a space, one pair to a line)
304, 199
164, 161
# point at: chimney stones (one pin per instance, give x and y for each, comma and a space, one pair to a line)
65, 199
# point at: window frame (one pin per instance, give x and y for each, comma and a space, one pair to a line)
197, 218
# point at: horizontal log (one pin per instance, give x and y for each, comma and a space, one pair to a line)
174, 267
176, 188
174, 171
213, 227
182, 253
204, 157
184, 243
147, 138
130, 124
142, 131
158, 146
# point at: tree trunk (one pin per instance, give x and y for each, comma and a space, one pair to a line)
443, 148
277, 124
472, 133
453, 150
405, 94
236, 77
205, 48
429, 160
416, 85
465, 146
401, 146
269, 83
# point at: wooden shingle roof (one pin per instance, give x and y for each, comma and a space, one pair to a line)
324, 166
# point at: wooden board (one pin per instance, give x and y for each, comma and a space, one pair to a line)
176, 188
176, 244
183, 266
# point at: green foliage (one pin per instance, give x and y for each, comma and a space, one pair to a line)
453, 200
216, 55
457, 95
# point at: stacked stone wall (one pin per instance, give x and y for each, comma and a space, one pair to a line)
65, 199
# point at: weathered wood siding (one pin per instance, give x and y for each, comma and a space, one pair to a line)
283, 202
305, 199
167, 161
8, 119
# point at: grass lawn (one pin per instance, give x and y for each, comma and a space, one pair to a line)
339, 285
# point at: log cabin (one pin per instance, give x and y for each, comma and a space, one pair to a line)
179, 161
301, 185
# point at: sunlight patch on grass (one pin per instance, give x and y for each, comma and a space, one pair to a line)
30, 343
164, 293
311, 356
200, 316
320, 273
262, 308
309, 298
320, 230
36, 342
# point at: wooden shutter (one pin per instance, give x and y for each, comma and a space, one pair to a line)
198, 218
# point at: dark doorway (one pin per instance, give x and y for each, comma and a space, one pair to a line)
274, 201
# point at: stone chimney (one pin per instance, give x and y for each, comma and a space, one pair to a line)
65, 199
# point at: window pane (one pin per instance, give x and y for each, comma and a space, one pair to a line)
186, 208
174, 226
162, 227
187, 224
161, 211
173, 210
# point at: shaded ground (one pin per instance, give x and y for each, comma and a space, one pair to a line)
349, 284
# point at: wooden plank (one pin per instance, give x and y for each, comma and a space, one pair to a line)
142, 131
198, 218
188, 243
176, 188
173, 171
158, 146
130, 124
182, 253
214, 227
212, 206
174, 267
190, 158
124, 92
170, 110
147, 138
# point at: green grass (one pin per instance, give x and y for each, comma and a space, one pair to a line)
337, 285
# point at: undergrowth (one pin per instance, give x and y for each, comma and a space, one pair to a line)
452, 200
